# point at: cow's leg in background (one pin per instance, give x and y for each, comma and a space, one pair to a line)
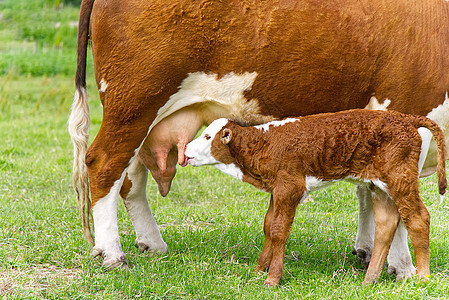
399, 258
365, 230
148, 237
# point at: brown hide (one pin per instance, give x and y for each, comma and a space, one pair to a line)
363, 144
307, 53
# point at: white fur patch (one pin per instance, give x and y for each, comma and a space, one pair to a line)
103, 85
105, 220
230, 169
265, 127
136, 204
227, 92
381, 185
440, 115
313, 183
375, 105
199, 151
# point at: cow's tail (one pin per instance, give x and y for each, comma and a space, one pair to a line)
79, 123
438, 135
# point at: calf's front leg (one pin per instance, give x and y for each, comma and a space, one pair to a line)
267, 251
284, 209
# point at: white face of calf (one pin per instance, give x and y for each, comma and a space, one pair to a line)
198, 152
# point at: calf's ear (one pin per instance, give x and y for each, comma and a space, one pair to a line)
226, 136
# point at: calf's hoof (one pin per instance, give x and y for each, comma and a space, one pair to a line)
145, 246
364, 255
271, 282
260, 269
370, 279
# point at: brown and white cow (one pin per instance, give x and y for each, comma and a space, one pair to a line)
291, 157
164, 68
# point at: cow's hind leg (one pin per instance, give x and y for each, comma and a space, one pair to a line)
107, 160
267, 251
148, 236
107, 240
386, 219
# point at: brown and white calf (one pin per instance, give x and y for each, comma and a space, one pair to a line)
292, 157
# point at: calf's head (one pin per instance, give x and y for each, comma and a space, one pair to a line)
210, 148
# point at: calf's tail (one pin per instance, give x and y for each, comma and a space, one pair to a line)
79, 122
438, 135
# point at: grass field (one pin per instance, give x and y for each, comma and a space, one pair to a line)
211, 222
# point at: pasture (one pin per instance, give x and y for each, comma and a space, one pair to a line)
211, 222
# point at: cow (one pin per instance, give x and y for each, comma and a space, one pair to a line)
165, 68
292, 157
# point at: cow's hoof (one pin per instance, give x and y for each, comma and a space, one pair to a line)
364, 256
144, 246
110, 263
116, 265
402, 272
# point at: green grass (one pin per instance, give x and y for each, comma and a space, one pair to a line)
211, 223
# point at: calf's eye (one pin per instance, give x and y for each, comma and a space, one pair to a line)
207, 137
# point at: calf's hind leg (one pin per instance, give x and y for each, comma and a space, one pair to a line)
417, 221
386, 219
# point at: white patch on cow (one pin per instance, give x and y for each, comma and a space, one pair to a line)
375, 105
426, 137
226, 92
439, 115
265, 127
399, 258
107, 240
230, 169
148, 236
103, 85
198, 152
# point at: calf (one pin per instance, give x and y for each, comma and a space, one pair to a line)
292, 157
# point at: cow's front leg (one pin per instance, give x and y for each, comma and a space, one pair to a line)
148, 236
107, 240
365, 230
